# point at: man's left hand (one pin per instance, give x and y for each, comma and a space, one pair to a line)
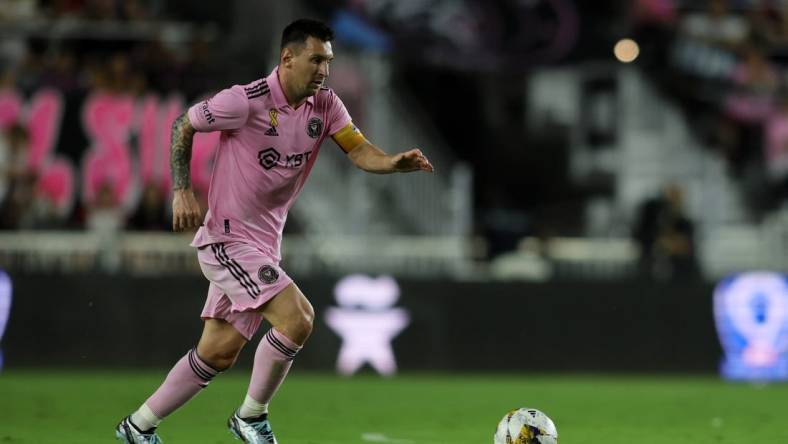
413, 160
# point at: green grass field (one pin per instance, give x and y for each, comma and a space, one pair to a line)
83, 407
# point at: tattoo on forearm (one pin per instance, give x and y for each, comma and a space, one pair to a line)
181, 152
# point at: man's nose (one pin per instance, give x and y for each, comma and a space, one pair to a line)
323, 69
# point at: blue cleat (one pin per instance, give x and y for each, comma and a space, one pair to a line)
252, 430
128, 433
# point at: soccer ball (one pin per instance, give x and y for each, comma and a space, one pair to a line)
526, 426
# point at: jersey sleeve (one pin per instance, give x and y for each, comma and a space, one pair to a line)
227, 110
338, 117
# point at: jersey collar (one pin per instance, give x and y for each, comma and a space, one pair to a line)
277, 93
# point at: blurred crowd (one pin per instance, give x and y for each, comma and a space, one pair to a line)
26, 203
11, 10
134, 61
727, 63
724, 61
132, 66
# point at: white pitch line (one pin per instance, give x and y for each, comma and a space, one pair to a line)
379, 437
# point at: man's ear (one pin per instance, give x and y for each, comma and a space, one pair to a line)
286, 57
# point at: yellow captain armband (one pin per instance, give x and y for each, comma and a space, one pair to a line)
349, 137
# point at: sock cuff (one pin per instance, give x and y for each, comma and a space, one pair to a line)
147, 416
282, 344
200, 367
252, 407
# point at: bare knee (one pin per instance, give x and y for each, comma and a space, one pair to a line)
307, 321
218, 358
299, 324
291, 314
220, 344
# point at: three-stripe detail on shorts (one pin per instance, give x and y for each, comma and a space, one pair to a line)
198, 367
236, 270
277, 344
257, 89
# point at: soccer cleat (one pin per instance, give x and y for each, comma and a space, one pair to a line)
252, 430
128, 433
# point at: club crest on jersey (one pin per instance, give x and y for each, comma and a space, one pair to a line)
267, 274
272, 114
314, 127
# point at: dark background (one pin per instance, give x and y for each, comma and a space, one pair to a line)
607, 327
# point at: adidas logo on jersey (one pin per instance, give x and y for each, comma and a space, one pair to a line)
271, 131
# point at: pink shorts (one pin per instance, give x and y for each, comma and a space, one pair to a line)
243, 278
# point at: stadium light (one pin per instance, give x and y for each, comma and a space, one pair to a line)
626, 50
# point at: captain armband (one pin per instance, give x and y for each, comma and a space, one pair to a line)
349, 137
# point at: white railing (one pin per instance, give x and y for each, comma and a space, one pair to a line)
736, 248
730, 250
165, 253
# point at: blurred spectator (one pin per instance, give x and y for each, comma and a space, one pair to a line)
17, 207
25, 206
62, 73
756, 81
776, 147
654, 12
716, 25
504, 224
20, 206
105, 215
118, 71
63, 9
41, 212
102, 9
194, 76
13, 157
151, 213
133, 10
666, 237
766, 22
105, 220
31, 68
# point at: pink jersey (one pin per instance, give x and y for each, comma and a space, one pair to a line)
266, 151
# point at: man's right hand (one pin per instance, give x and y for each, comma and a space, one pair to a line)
186, 212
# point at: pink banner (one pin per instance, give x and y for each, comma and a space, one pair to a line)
111, 123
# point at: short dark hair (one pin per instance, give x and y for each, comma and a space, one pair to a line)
301, 29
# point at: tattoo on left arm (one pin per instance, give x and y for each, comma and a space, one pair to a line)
181, 152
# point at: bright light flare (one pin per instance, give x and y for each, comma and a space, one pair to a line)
626, 50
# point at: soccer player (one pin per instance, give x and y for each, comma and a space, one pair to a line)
272, 129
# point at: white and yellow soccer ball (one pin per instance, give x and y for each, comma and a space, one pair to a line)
526, 426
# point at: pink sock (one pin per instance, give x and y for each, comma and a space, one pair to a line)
272, 361
190, 375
